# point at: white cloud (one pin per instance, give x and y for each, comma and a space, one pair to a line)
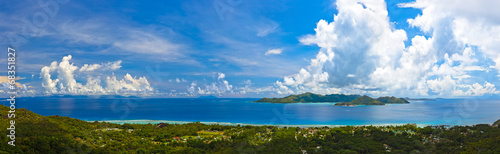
107, 66
127, 84
192, 88
65, 83
274, 52
362, 52
367, 41
473, 23
152, 44
247, 82
282, 89
21, 89
247, 87
221, 76
178, 80
89, 68
442, 86
220, 86
146, 43
476, 90
267, 29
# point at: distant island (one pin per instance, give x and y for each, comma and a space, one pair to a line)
366, 100
310, 97
347, 100
419, 99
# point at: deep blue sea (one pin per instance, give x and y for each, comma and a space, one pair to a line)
244, 111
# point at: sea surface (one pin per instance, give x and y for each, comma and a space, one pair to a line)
244, 111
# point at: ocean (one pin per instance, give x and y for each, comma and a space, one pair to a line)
245, 111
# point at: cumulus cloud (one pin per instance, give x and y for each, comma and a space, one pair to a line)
477, 90
66, 83
221, 76
220, 86
246, 88
359, 39
22, 89
128, 83
274, 52
467, 22
362, 52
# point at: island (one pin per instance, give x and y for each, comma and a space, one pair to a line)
310, 98
367, 100
346, 100
419, 99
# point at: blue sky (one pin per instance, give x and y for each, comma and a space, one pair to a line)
241, 48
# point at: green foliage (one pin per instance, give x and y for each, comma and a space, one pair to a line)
310, 97
363, 100
366, 100
392, 100
497, 123
348, 100
56, 134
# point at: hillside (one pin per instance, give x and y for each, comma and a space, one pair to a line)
366, 100
392, 100
363, 100
46, 133
310, 97
497, 123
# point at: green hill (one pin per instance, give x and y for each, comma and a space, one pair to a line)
363, 100
42, 134
310, 97
366, 100
392, 100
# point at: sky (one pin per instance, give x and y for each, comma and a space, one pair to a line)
258, 48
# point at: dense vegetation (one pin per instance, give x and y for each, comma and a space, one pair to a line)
497, 123
366, 100
310, 97
363, 100
392, 100
56, 134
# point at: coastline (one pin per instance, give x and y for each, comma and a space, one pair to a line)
145, 121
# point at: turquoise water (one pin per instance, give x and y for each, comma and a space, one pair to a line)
244, 111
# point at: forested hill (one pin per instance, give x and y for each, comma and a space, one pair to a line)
56, 134
366, 100
310, 97
392, 100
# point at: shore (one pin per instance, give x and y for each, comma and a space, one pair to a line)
246, 124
